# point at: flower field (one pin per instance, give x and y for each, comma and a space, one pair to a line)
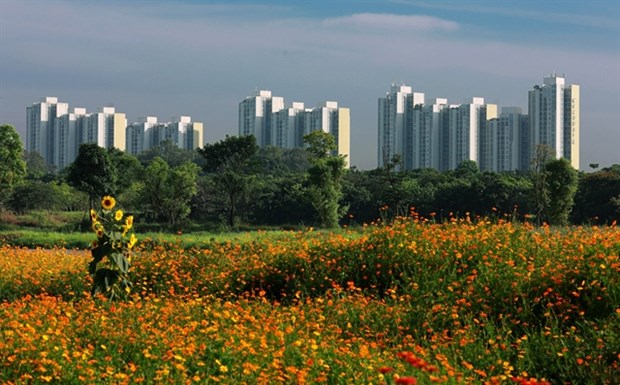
414, 302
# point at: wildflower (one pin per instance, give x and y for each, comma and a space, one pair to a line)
132, 241
385, 369
108, 202
405, 380
118, 215
129, 222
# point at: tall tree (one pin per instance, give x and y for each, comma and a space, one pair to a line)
12, 165
230, 163
594, 201
128, 169
561, 183
539, 197
324, 178
93, 172
167, 192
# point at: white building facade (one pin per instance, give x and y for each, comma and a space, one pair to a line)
57, 134
265, 117
554, 118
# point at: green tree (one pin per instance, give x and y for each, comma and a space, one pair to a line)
12, 165
128, 167
561, 183
324, 178
230, 163
167, 192
595, 197
35, 165
539, 198
169, 152
93, 173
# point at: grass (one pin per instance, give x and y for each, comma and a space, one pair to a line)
460, 302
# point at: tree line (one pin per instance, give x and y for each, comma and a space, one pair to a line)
233, 183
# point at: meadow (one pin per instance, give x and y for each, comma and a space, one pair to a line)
462, 302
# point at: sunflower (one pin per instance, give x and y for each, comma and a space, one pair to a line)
132, 241
108, 202
118, 215
129, 222
97, 226
93, 215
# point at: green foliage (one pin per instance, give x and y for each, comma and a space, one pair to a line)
128, 167
324, 178
111, 251
167, 192
539, 197
93, 172
35, 165
596, 196
230, 163
12, 165
170, 153
35, 194
561, 183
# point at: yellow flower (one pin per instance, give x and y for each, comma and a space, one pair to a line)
132, 241
97, 226
93, 215
118, 215
129, 222
108, 202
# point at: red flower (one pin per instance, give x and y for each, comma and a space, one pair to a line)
385, 369
406, 380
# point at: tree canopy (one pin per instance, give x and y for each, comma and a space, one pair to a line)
93, 172
12, 165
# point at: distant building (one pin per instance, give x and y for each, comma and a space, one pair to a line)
41, 122
554, 120
57, 134
256, 114
265, 117
506, 140
441, 135
395, 120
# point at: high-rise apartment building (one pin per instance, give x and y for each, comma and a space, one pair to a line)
136, 134
505, 139
147, 133
256, 114
333, 120
68, 138
289, 126
554, 118
265, 117
425, 135
57, 134
41, 123
395, 116
436, 135
442, 135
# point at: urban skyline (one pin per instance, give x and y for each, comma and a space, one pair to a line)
440, 135
56, 133
435, 135
199, 58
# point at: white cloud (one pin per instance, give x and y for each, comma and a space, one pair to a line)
393, 22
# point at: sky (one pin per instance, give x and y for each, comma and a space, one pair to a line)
201, 58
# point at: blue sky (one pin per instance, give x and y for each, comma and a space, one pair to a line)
201, 58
